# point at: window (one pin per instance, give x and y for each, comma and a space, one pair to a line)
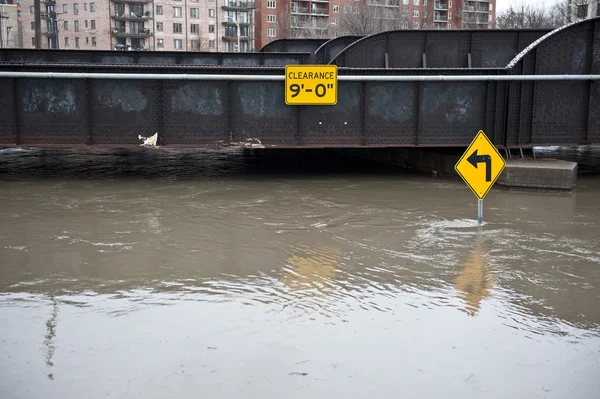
405, 2
490, 17
211, 43
334, 22
92, 7
244, 18
271, 18
76, 9
93, 23
33, 26
177, 28
271, 4
66, 42
177, 12
93, 41
76, 26
415, 13
86, 23
415, 25
195, 44
66, 25
449, 26
65, 8
76, 42
416, 2
582, 11
159, 10
271, 32
347, 8
160, 42
195, 28
211, 29
405, 13
87, 40
336, 8
491, 7
211, 12
450, 4
33, 41
177, 44
31, 9
449, 16
85, 6
159, 27
194, 13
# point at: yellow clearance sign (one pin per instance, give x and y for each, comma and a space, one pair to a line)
481, 165
311, 84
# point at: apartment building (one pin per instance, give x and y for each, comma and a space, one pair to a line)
140, 25
10, 25
276, 19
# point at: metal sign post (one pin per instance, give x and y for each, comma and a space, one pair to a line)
480, 166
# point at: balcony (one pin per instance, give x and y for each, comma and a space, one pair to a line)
122, 33
384, 3
130, 16
133, 1
234, 38
48, 15
468, 8
122, 47
231, 5
48, 2
320, 12
440, 6
482, 10
231, 23
440, 18
51, 32
321, 1
301, 10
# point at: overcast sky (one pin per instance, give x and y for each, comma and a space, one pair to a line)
502, 5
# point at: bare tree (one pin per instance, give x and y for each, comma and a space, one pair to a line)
540, 16
374, 17
200, 43
525, 16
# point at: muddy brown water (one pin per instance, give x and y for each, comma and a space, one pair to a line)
216, 274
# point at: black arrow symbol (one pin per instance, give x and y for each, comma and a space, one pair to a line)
474, 159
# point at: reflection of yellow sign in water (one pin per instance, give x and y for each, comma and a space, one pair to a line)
475, 282
311, 268
481, 165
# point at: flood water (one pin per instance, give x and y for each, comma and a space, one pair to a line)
212, 274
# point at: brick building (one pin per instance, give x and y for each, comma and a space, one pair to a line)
161, 25
276, 19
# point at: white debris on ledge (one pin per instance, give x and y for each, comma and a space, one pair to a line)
149, 141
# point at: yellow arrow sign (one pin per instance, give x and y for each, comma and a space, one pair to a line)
481, 165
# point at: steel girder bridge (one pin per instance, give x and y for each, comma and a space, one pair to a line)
524, 88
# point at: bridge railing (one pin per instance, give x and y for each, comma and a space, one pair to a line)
114, 58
